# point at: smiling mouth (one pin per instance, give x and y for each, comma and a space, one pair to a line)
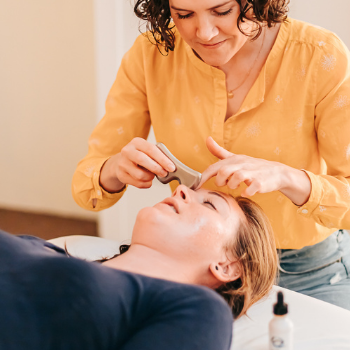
171, 205
214, 45
173, 208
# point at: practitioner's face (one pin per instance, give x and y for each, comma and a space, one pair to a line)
193, 226
206, 22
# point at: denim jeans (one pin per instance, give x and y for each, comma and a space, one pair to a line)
321, 271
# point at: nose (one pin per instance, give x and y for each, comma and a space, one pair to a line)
206, 30
183, 192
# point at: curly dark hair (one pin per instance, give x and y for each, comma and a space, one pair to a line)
158, 17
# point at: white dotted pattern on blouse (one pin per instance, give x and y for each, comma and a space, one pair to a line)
94, 142
322, 209
330, 225
120, 130
322, 133
197, 99
285, 241
347, 152
253, 130
196, 148
278, 99
301, 74
280, 199
321, 43
328, 62
88, 171
341, 102
177, 121
277, 151
299, 123
268, 80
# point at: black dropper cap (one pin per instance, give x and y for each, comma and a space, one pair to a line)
280, 308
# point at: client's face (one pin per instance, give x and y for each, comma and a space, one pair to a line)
189, 225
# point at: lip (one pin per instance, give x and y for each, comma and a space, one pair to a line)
171, 202
214, 46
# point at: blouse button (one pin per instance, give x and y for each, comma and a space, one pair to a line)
304, 211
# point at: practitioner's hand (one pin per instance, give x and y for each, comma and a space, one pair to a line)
137, 164
261, 176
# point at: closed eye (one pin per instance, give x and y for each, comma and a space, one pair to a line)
224, 13
184, 17
208, 201
217, 13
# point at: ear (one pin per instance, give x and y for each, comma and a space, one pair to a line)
227, 271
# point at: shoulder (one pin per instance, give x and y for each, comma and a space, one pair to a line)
182, 295
318, 37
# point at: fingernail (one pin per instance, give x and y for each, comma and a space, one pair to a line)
164, 174
171, 167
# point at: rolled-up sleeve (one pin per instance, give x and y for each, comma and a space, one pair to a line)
126, 117
329, 202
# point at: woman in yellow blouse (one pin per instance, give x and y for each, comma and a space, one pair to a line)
257, 102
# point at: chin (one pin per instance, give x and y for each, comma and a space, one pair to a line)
148, 217
146, 214
215, 60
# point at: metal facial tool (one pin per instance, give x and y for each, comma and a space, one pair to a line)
182, 173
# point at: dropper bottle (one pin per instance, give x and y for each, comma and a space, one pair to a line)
280, 327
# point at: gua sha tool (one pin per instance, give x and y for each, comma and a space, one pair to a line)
185, 175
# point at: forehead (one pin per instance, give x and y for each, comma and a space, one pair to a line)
205, 4
230, 201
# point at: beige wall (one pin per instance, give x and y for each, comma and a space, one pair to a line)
332, 15
47, 101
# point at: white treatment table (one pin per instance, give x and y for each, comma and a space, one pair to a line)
317, 325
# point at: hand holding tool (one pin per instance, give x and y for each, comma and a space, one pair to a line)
182, 173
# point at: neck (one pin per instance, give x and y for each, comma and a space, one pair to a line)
247, 53
149, 262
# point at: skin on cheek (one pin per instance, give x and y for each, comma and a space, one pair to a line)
207, 232
199, 223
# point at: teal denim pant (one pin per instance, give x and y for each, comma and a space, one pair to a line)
321, 271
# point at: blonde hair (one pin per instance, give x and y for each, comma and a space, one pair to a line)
255, 249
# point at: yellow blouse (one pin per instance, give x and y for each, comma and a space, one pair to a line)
296, 113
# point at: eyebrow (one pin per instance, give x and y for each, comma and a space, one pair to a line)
221, 196
212, 8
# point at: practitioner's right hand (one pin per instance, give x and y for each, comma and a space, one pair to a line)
137, 164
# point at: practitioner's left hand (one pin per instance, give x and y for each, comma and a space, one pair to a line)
261, 176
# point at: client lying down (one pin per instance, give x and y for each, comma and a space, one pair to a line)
159, 294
